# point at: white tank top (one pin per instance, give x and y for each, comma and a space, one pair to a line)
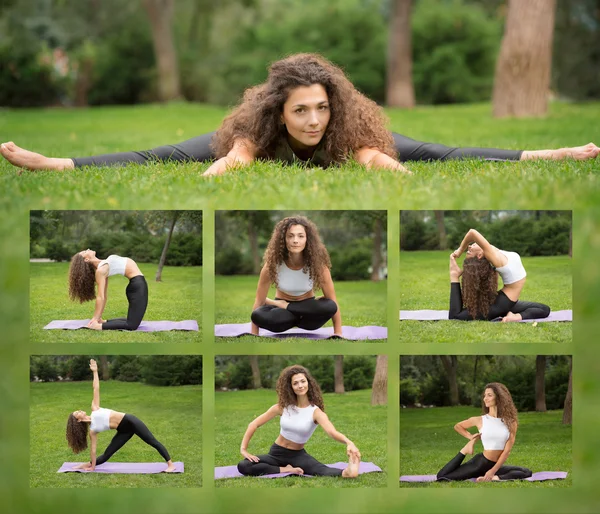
513, 270
494, 433
100, 420
293, 282
116, 265
297, 424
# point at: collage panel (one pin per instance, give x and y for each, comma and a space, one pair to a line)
155, 258
84, 412
479, 276
293, 276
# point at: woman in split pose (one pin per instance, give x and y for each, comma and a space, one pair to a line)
307, 111
88, 280
497, 432
80, 425
479, 298
300, 406
297, 262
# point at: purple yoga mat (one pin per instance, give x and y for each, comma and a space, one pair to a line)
432, 315
145, 326
232, 472
127, 468
536, 477
352, 333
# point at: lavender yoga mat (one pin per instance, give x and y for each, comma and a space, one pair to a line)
232, 472
432, 315
145, 326
127, 468
352, 333
536, 477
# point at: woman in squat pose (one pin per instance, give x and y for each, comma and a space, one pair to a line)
497, 431
86, 270
301, 408
100, 420
297, 262
306, 111
480, 295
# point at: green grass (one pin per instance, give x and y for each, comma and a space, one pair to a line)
427, 442
424, 284
361, 303
351, 414
177, 297
173, 415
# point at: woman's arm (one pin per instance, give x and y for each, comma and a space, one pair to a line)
95, 385
502, 459
242, 153
264, 282
322, 419
93, 441
461, 427
372, 158
329, 293
490, 252
275, 410
101, 282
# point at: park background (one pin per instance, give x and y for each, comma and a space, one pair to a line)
571, 120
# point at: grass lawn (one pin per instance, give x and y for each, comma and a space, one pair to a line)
176, 298
350, 413
427, 442
424, 284
362, 303
160, 408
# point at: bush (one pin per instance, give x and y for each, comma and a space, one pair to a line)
126, 368
321, 368
351, 263
78, 368
409, 391
44, 369
358, 372
232, 261
57, 251
170, 370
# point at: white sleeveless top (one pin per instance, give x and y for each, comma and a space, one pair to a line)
297, 424
513, 270
100, 420
116, 265
494, 433
293, 282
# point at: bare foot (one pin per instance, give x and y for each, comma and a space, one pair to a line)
495, 478
455, 271
469, 448
352, 470
170, 468
18, 156
282, 304
290, 469
511, 316
580, 153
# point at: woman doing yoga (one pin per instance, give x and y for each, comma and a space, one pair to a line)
88, 271
80, 424
479, 295
300, 406
297, 262
306, 111
497, 431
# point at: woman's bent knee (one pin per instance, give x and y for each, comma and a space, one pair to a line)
244, 467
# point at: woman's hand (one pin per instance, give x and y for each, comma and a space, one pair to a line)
93, 365
86, 466
221, 166
457, 253
488, 477
249, 456
352, 450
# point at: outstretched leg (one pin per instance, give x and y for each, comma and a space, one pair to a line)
117, 442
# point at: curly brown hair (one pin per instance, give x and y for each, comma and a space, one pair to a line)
504, 404
82, 283
479, 286
77, 433
285, 393
355, 122
315, 255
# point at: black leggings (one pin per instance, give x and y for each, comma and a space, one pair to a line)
500, 308
477, 467
279, 456
198, 149
309, 314
130, 426
137, 296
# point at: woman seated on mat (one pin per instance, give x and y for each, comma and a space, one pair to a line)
307, 111
497, 431
300, 406
86, 270
297, 262
100, 420
480, 296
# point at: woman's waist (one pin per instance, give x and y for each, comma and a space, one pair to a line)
287, 444
492, 455
115, 419
282, 295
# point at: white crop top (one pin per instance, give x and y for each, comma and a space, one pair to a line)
494, 433
116, 265
100, 420
513, 270
297, 424
293, 282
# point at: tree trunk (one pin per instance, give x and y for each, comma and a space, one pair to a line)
379, 394
568, 408
163, 256
400, 90
338, 374
256, 381
253, 238
522, 79
450, 363
160, 13
540, 383
377, 258
439, 218
104, 367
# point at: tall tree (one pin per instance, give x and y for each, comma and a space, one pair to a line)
450, 363
568, 408
256, 381
104, 367
540, 383
439, 218
522, 80
377, 257
163, 256
379, 394
400, 91
338, 374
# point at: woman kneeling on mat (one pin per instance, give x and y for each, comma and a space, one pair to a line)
126, 425
87, 269
497, 431
480, 295
300, 405
297, 262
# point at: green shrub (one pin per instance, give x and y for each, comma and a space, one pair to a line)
126, 368
232, 261
350, 263
409, 391
44, 368
78, 368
